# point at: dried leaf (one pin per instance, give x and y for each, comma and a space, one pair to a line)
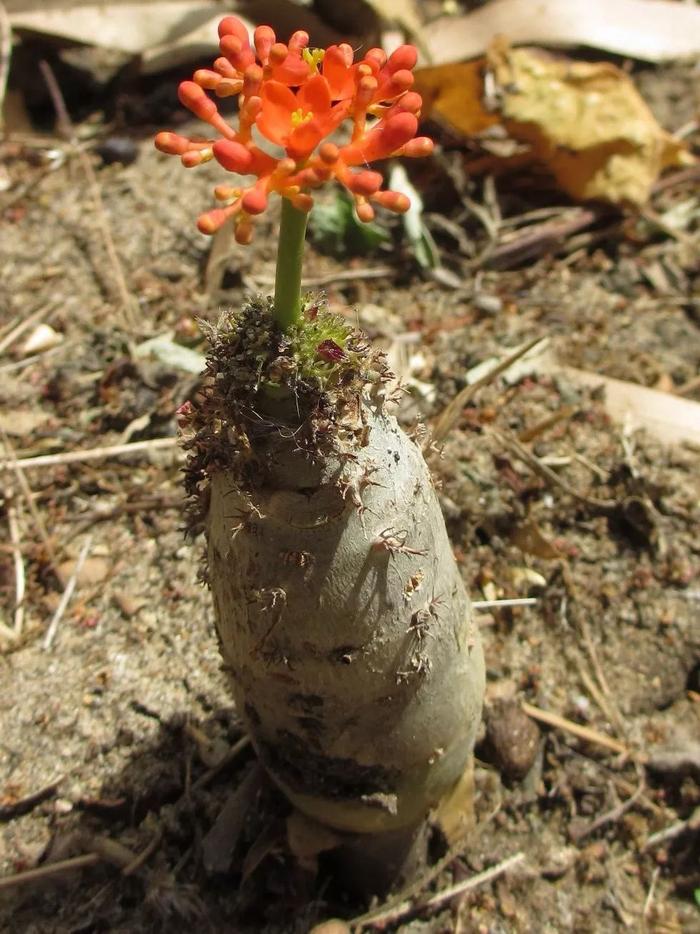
308, 839
584, 122
528, 537
669, 419
650, 30
455, 813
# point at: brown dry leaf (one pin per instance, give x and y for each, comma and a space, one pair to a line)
455, 813
529, 538
454, 93
584, 122
307, 839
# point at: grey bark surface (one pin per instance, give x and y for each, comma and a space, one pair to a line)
354, 657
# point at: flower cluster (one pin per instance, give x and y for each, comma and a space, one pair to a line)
296, 97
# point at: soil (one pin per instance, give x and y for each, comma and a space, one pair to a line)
120, 738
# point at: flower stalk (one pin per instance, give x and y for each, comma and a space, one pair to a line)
286, 309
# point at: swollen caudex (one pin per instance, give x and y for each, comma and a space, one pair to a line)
342, 616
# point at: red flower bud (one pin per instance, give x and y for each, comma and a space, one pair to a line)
392, 201
212, 221
254, 201
232, 26
364, 183
194, 98
206, 78
233, 156
264, 38
171, 143
405, 57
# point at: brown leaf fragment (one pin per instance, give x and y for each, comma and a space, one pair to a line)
583, 122
528, 537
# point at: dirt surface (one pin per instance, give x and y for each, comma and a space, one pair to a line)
119, 739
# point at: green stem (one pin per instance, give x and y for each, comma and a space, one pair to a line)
290, 253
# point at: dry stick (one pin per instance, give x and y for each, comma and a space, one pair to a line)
144, 855
347, 275
510, 601
610, 707
576, 729
66, 128
450, 414
91, 454
67, 594
51, 869
395, 914
527, 457
230, 756
29, 499
19, 566
674, 830
610, 816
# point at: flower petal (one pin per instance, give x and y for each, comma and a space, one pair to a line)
275, 118
304, 139
338, 71
315, 96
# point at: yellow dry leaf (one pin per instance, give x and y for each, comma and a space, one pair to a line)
454, 93
584, 122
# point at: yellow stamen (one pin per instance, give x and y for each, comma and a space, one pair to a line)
313, 58
299, 117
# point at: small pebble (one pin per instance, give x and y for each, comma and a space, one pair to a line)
117, 149
489, 304
333, 926
513, 738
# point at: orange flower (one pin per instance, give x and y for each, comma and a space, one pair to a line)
298, 122
296, 98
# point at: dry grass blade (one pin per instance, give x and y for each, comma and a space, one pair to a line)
67, 594
50, 869
576, 729
128, 302
448, 418
383, 917
91, 454
527, 457
20, 582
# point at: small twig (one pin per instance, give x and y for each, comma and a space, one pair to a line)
27, 804
91, 454
144, 855
610, 816
528, 458
450, 414
383, 917
66, 128
576, 729
230, 757
20, 581
649, 900
50, 869
542, 238
674, 830
341, 275
67, 594
610, 707
514, 601
29, 499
